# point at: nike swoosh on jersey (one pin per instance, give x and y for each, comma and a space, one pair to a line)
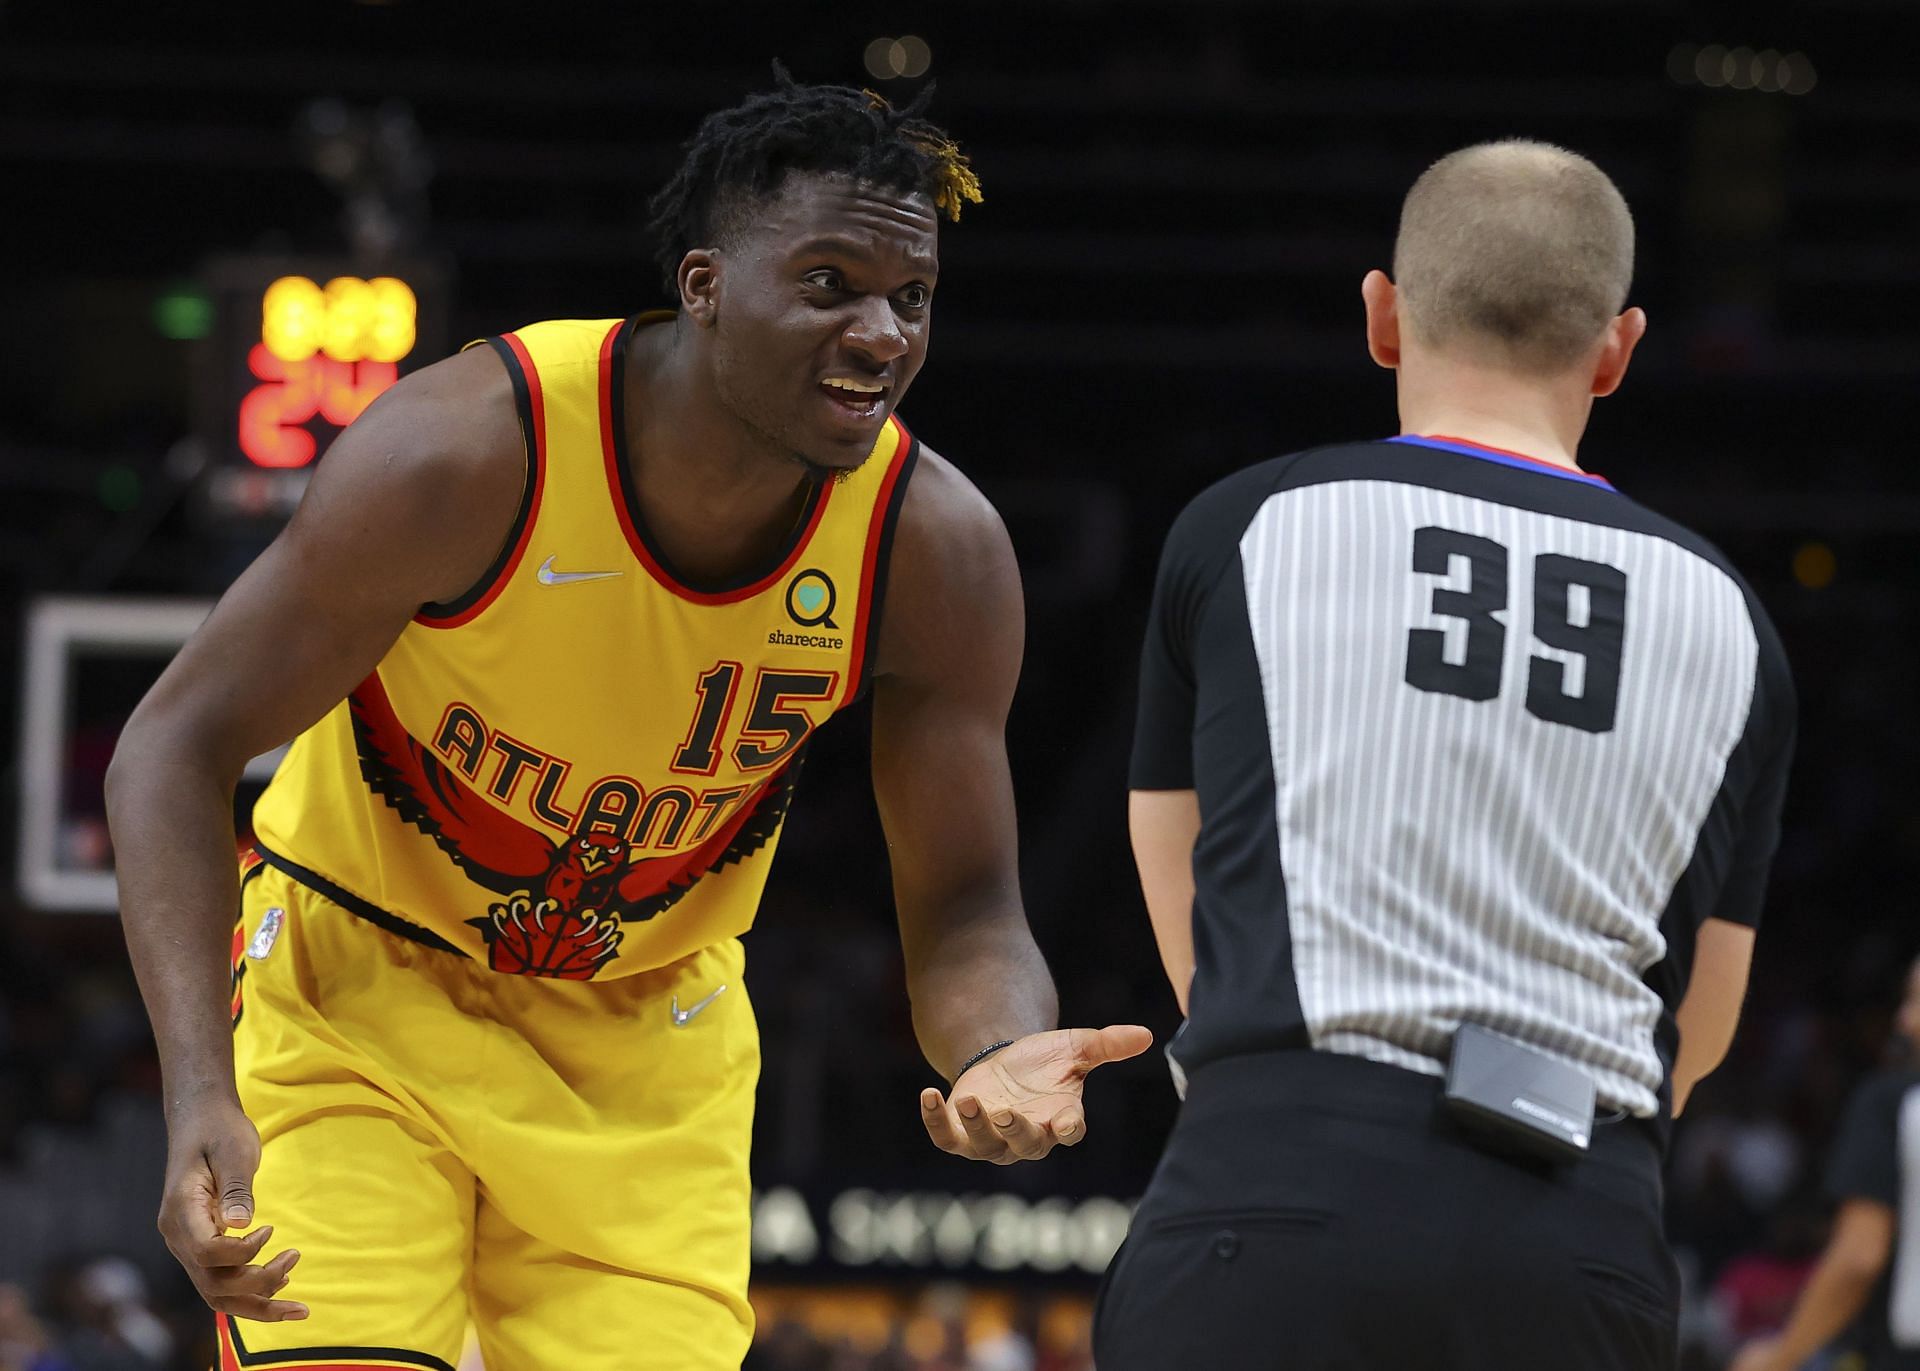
547, 576
683, 1017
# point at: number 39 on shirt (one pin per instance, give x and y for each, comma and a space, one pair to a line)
1579, 607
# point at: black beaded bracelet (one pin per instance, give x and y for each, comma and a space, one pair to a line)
981, 1056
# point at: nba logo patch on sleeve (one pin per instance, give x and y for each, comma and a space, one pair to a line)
269, 930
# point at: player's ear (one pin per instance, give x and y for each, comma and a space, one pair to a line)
1623, 336
699, 278
1383, 319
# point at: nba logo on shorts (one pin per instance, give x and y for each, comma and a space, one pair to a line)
269, 929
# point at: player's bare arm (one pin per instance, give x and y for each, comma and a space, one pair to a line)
949, 658
1164, 825
410, 506
1707, 1017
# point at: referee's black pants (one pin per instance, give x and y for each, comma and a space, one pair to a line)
1316, 1212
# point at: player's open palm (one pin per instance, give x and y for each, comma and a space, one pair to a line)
1024, 1100
212, 1153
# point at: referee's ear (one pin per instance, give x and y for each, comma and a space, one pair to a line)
1383, 319
1623, 336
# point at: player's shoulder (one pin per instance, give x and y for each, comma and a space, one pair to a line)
945, 516
557, 343
459, 409
444, 443
951, 579
575, 334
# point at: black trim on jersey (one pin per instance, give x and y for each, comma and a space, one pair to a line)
405, 1356
522, 406
1200, 550
353, 904
882, 562
617, 400
1240, 885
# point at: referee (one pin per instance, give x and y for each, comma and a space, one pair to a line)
1865, 1290
1456, 782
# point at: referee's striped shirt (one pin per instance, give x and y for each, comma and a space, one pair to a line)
1475, 739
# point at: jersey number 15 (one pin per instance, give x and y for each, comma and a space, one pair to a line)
1594, 635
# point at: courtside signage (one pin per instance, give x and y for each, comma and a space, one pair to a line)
936, 1231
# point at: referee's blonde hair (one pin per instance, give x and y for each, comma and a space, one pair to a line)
1518, 252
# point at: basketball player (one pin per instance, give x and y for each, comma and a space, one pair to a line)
1451, 762
553, 626
1865, 1289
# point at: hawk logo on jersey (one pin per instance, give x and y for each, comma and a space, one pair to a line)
563, 903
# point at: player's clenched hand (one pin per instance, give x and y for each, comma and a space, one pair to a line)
1022, 1101
212, 1153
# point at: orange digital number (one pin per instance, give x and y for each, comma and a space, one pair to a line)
292, 394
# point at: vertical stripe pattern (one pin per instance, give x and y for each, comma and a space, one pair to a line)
1453, 859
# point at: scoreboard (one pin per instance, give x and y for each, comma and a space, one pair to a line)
299, 348
325, 352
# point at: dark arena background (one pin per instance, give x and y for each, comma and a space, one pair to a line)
1162, 285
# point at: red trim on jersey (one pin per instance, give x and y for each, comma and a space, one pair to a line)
537, 474
610, 450
870, 561
1509, 452
610, 446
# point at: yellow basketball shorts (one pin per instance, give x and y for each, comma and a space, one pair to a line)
561, 1164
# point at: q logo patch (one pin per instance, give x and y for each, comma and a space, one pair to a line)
811, 598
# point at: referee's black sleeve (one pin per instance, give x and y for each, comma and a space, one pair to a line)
1163, 729
1202, 546
1761, 763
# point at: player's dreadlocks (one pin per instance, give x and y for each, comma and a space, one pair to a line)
740, 154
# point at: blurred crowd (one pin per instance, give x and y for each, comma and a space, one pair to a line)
99, 1315
940, 1327
96, 1314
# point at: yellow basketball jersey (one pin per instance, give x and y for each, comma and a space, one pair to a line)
580, 769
